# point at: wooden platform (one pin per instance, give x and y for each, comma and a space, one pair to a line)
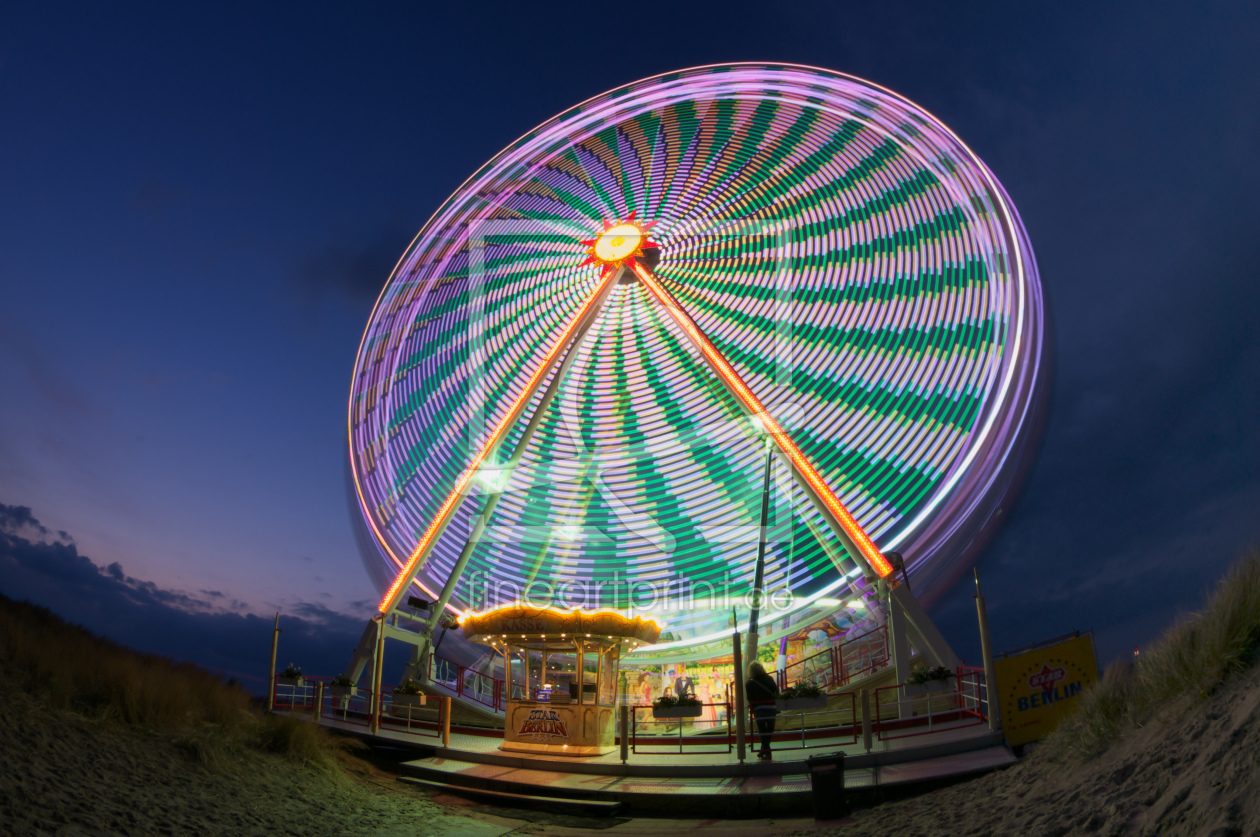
756, 789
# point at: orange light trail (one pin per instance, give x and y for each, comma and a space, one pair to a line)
513, 413
801, 462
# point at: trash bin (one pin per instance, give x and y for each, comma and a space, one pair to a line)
826, 780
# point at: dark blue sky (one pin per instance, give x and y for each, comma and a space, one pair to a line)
198, 207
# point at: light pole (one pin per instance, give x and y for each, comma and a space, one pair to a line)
750, 649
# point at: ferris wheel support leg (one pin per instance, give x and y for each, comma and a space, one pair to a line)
363, 652
759, 575
425, 644
920, 629
909, 617
572, 335
535, 420
754, 409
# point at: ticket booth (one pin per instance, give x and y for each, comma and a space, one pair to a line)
561, 673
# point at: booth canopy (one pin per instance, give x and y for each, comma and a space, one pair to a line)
528, 623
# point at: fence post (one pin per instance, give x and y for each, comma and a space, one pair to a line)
624, 724
271, 681
986, 651
741, 705
866, 719
377, 697
446, 721
318, 713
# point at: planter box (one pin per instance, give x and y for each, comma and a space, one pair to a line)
343, 691
408, 701
930, 687
292, 682
677, 712
799, 703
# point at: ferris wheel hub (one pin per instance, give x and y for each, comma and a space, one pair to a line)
621, 243
618, 244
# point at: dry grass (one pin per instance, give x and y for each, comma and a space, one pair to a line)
66, 667
1184, 667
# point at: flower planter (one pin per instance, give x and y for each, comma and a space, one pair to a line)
667, 712
291, 682
408, 701
928, 687
798, 703
343, 691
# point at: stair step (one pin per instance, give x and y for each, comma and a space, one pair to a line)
586, 806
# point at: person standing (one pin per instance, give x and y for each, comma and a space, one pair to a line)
761, 697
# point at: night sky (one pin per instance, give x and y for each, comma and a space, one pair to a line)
198, 208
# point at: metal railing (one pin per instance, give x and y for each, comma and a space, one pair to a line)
468, 684
973, 691
417, 714
903, 711
834, 723
350, 705
354, 705
899, 711
296, 696
835, 667
656, 731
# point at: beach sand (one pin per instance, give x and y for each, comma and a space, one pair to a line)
65, 774
1196, 771
1193, 771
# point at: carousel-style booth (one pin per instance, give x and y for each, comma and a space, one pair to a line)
561, 673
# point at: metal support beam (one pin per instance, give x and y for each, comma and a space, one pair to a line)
570, 346
496, 493
549, 394
378, 700
807, 477
750, 651
919, 628
741, 700
580, 323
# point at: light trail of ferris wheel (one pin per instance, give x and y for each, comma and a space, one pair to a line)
620, 246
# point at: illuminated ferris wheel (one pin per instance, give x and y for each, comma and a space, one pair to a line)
736, 317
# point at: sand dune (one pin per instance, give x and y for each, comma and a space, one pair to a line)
63, 773
1193, 771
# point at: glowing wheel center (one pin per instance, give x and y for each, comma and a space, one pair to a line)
619, 244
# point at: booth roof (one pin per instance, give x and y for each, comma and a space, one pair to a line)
539, 623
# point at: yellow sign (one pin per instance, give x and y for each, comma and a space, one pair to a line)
1040, 688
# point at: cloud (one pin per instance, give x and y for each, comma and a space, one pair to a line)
46, 568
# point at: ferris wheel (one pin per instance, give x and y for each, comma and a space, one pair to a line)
741, 325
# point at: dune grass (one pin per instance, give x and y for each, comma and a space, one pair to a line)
1183, 667
66, 667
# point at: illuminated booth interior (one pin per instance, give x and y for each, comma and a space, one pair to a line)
561, 673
